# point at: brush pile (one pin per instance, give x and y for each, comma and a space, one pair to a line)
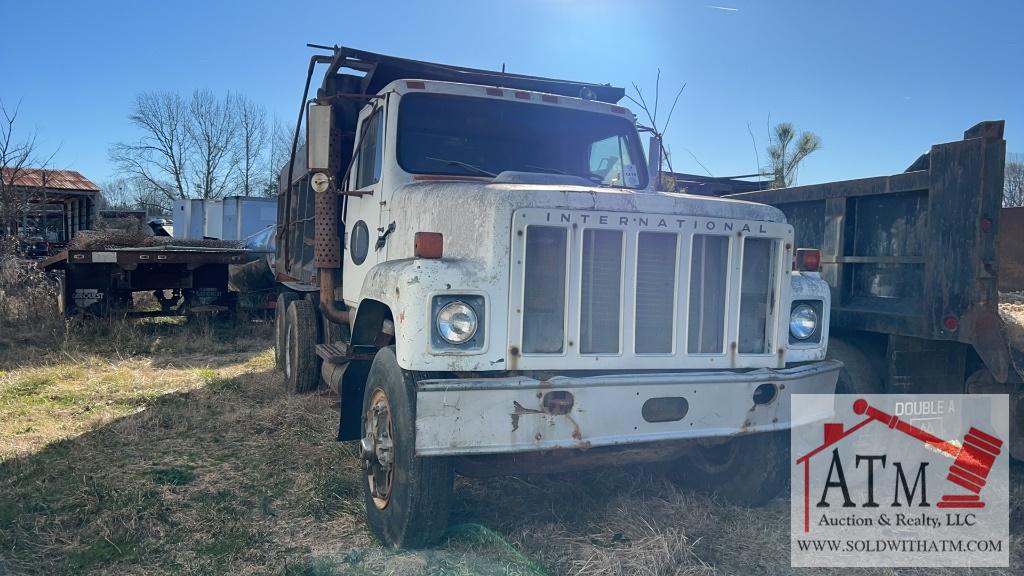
1011, 310
28, 297
112, 239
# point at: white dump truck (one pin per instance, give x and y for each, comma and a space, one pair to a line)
478, 264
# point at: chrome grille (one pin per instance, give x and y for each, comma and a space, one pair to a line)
593, 286
600, 291
544, 290
756, 295
709, 262
655, 291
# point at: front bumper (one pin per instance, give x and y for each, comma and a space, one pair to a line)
506, 415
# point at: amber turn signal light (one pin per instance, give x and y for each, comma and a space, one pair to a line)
428, 245
807, 259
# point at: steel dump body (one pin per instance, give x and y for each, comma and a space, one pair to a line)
913, 257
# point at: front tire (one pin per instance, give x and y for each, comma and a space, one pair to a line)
749, 470
857, 376
407, 497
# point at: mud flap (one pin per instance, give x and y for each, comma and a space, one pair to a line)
350, 395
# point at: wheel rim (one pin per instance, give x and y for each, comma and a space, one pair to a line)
714, 459
378, 448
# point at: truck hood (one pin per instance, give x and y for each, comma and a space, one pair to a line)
475, 217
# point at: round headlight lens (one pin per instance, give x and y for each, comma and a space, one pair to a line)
456, 322
802, 322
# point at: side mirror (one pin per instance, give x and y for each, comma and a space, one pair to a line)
318, 137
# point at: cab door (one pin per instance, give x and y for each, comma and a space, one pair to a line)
363, 202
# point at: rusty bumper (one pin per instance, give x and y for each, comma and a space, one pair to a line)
521, 414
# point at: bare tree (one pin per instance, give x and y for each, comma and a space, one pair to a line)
786, 150
203, 146
652, 117
117, 194
19, 157
161, 158
1013, 181
278, 155
212, 128
252, 142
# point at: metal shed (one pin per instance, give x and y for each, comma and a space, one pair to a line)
57, 202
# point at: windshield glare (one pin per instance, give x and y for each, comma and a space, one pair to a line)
461, 135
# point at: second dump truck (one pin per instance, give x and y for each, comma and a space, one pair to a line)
477, 263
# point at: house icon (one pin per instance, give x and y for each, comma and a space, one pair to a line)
972, 459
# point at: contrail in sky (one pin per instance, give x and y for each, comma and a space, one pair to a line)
726, 8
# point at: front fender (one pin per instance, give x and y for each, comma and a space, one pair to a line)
407, 286
808, 286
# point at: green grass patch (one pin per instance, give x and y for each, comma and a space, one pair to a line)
315, 567
101, 552
174, 475
229, 540
28, 386
213, 380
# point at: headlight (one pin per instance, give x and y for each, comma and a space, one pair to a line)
456, 322
803, 321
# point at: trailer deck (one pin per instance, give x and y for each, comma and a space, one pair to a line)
100, 281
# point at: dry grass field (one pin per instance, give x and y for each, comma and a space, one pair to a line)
165, 447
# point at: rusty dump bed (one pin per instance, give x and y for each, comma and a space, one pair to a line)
914, 254
379, 70
168, 254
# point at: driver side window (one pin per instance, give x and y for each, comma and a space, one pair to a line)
371, 151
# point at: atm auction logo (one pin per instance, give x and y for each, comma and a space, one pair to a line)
901, 480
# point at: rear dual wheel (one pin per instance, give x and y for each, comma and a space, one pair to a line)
281, 325
301, 364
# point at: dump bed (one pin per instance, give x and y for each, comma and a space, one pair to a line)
912, 254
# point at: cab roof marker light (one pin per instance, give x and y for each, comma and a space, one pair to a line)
618, 109
415, 85
523, 95
495, 92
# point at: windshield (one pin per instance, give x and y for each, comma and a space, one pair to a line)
460, 135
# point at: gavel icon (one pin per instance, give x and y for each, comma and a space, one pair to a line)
972, 461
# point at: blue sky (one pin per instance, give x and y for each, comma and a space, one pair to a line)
878, 81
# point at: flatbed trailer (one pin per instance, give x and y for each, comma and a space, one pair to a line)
102, 281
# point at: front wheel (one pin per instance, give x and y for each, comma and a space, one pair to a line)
407, 497
748, 471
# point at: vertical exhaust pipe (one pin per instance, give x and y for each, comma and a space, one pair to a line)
328, 253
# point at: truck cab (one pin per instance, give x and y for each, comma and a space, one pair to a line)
479, 264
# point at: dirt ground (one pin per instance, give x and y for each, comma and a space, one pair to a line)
157, 447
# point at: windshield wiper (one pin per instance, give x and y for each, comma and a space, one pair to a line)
465, 165
547, 169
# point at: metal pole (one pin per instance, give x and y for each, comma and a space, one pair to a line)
654, 163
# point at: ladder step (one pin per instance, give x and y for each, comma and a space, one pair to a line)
341, 352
